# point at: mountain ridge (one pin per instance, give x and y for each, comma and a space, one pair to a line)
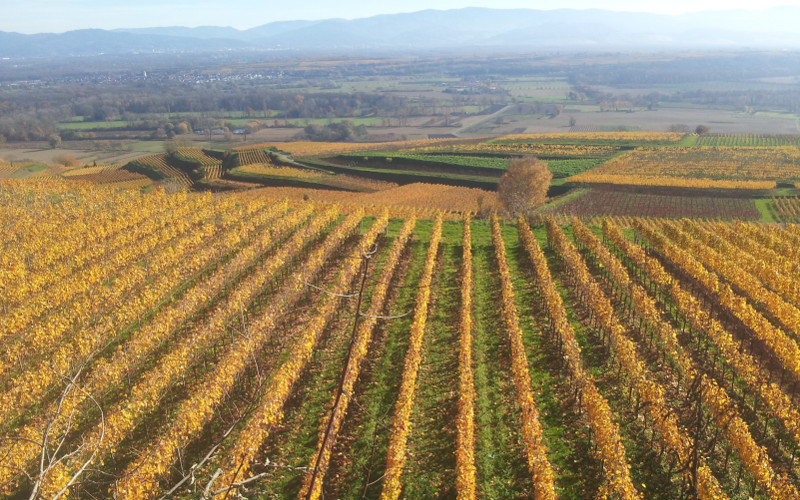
430, 30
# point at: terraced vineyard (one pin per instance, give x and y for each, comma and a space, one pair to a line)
198, 155
485, 161
749, 140
253, 156
210, 346
711, 166
160, 163
177, 168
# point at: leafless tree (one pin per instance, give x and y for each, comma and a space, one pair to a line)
53, 444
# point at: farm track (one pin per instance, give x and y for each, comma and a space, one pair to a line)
280, 395
430, 468
569, 446
361, 457
499, 454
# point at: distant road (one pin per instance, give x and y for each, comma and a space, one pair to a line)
478, 120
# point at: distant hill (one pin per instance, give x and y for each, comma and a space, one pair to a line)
430, 30
95, 42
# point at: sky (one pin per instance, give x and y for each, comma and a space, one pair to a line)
57, 16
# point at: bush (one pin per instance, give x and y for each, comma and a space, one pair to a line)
332, 132
54, 140
67, 161
524, 185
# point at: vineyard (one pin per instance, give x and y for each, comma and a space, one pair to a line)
518, 147
788, 209
199, 156
720, 167
182, 168
159, 165
610, 138
269, 169
115, 176
476, 164
659, 202
208, 346
564, 163
463, 161
10, 169
251, 156
421, 199
308, 148
749, 140
620, 174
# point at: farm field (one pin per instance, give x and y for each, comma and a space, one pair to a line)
233, 344
746, 167
663, 174
561, 166
594, 173
720, 120
417, 198
748, 140
654, 202
394, 101
45, 154
476, 163
244, 274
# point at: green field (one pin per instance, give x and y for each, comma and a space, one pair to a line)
90, 125
454, 160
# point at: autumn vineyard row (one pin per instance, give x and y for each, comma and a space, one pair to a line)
206, 346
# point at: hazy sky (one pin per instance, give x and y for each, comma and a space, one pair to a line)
55, 16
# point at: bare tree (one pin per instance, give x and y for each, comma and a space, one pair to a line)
54, 446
